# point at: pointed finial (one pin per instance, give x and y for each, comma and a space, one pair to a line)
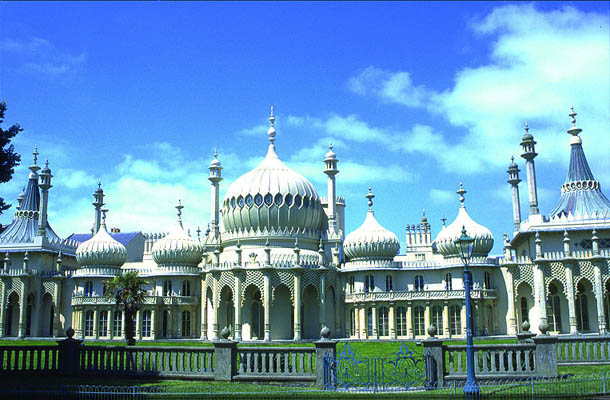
461, 191
99, 184
527, 128
444, 220
215, 154
573, 115
424, 219
370, 196
574, 130
296, 243
271, 130
198, 232
207, 231
179, 207
35, 153
330, 146
104, 211
512, 158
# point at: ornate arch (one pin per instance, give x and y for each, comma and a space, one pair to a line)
313, 286
556, 282
278, 286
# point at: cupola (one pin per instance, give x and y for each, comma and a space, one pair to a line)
101, 250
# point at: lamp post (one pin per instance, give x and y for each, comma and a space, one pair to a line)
464, 244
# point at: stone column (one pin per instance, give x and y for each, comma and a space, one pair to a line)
322, 300
297, 306
392, 321
57, 309
446, 327
540, 292
356, 321
570, 296
111, 324
215, 302
138, 325
463, 319
96, 322
267, 305
375, 321
204, 311
153, 324
22, 308
599, 297
2, 308
363, 322
427, 318
511, 318
237, 305
410, 332
82, 315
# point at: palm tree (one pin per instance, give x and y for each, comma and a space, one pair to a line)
128, 292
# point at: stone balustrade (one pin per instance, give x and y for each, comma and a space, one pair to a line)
29, 359
419, 295
583, 350
492, 361
276, 363
148, 300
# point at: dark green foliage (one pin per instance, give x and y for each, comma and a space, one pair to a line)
8, 158
128, 292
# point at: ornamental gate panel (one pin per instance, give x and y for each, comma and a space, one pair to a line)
402, 370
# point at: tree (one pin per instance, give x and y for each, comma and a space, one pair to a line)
128, 292
8, 158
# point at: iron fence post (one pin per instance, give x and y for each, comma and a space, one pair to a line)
604, 381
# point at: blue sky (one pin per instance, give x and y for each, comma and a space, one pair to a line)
415, 96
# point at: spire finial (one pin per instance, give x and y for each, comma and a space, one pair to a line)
179, 207
444, 220
423, 217
573, 115
99, 184
370, 196
527, 127
461, 191
104, 211
215, 154
512, 159
271, 130
35, 153
574, 130
330, 146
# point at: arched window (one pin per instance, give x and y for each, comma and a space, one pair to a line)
582, 309
419, 283
455, 319
186, 324
401, 321
437, 318
146, 323
388, 283
89, 323
352, 320
118, 323
257, 316
186, 288
418, 321
383, 322
88, 288
167, 288
102, 329
524, 310
369, 283
369, 322
487, 280
553, 309
448, 282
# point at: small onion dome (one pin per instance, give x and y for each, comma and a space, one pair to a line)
215, 163
177, 248
445, 241
527, 136
101, 249
330, 155
371, 241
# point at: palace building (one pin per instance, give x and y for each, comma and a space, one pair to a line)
276, 264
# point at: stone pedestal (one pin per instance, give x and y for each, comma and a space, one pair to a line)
434, 362
69, 355
324, 348
225, 359
546, 356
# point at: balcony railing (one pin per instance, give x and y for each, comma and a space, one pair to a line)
148, 300
420, 295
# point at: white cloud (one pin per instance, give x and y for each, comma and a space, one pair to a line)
39, 56
441, 196
540, 64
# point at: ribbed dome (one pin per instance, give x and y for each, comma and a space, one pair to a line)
102, 250
445, 241
177, 247
371, 241
271, 197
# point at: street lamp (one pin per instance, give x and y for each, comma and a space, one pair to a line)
464, 244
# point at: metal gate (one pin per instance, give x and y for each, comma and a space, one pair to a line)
401, 371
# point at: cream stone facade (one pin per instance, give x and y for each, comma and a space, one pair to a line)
276, 264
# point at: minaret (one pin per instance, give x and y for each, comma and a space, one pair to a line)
215, 177
45, 185
513, 180
98, 195
529, 153
331, 170
20, 197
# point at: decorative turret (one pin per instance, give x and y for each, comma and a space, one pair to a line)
581, 194
513, 180
177, 248
371, 241
529, 153
331, 170
45, 185
215, 177
102, 250
20, 197
445, 241
419, 236
98, 203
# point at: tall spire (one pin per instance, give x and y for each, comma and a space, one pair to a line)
103, 224
34, 167
179, 207
461, 191
271, 130
574, 130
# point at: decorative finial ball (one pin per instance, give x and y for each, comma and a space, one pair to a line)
325, 332
224, 333
525, 326
70, 333
544, 327
432, 330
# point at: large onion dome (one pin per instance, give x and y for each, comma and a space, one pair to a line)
445, 241
177, 247
371, 241
102, 249
271, 198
